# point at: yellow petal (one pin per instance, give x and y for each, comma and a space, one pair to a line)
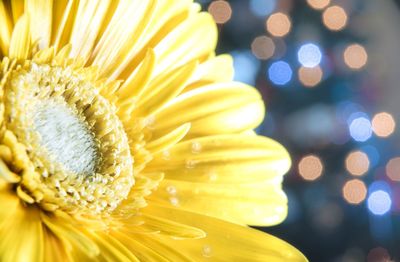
40, 14
223, 159
54, 250
234, 177
20, 39
87, 24
20, 229
128, 20
184, 44
112, 249
171, 228
170, 139
225, 241
216, 69
163, 89
258, 204
5, 28
213, 109
71, 235
141, 251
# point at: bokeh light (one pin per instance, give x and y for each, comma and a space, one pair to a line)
334, 18
393, 169
310, 167
310, 77
354, 191
379, 202
360, 129
280, 73
318, 4
383, 124
263, 47
246, 66
357, 163
378, 254
221, 11
262, 7
278, 24
355, 56
309, 55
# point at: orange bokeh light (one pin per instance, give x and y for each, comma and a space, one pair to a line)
318, 4
383, 124
310, 167
354, 191
355, 56
263, 47
278, 24
221, 11
334, 18
310, 77
393, 169
357, 163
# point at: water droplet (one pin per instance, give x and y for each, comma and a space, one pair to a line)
212, 176
174, 201
190, 164
166, 155
206, 251
196, 147
171, 190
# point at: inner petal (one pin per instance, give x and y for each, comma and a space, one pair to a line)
66, 137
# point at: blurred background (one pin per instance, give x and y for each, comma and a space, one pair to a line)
329, 71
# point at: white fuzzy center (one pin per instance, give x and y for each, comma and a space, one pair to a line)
67, 140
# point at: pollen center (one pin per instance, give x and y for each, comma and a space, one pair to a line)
72, 150
66, 138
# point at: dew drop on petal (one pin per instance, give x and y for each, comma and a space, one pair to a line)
190, 164
212, 176
196, 147
174, 201
206, 251
166, 155
171, 190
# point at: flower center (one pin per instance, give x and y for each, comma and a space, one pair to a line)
77, 155
67, 139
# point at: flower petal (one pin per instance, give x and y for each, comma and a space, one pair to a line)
226, 159
40, 14
213, 109
233, 177
20, 229
5, 28
20, 39
225, 241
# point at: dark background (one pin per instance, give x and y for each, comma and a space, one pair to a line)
321, 223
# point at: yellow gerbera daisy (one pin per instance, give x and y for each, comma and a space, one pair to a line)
123, 138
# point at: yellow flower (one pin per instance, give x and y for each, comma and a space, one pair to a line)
123, 138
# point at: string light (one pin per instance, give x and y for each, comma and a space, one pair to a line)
383, 124
280, 73
393, 169
278, 24
355, 56
310, 77
309, 55
354, 191
379, 202
360, 129
221, 11
263, 47
334, 18
357, 163
310, 167
318, 4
